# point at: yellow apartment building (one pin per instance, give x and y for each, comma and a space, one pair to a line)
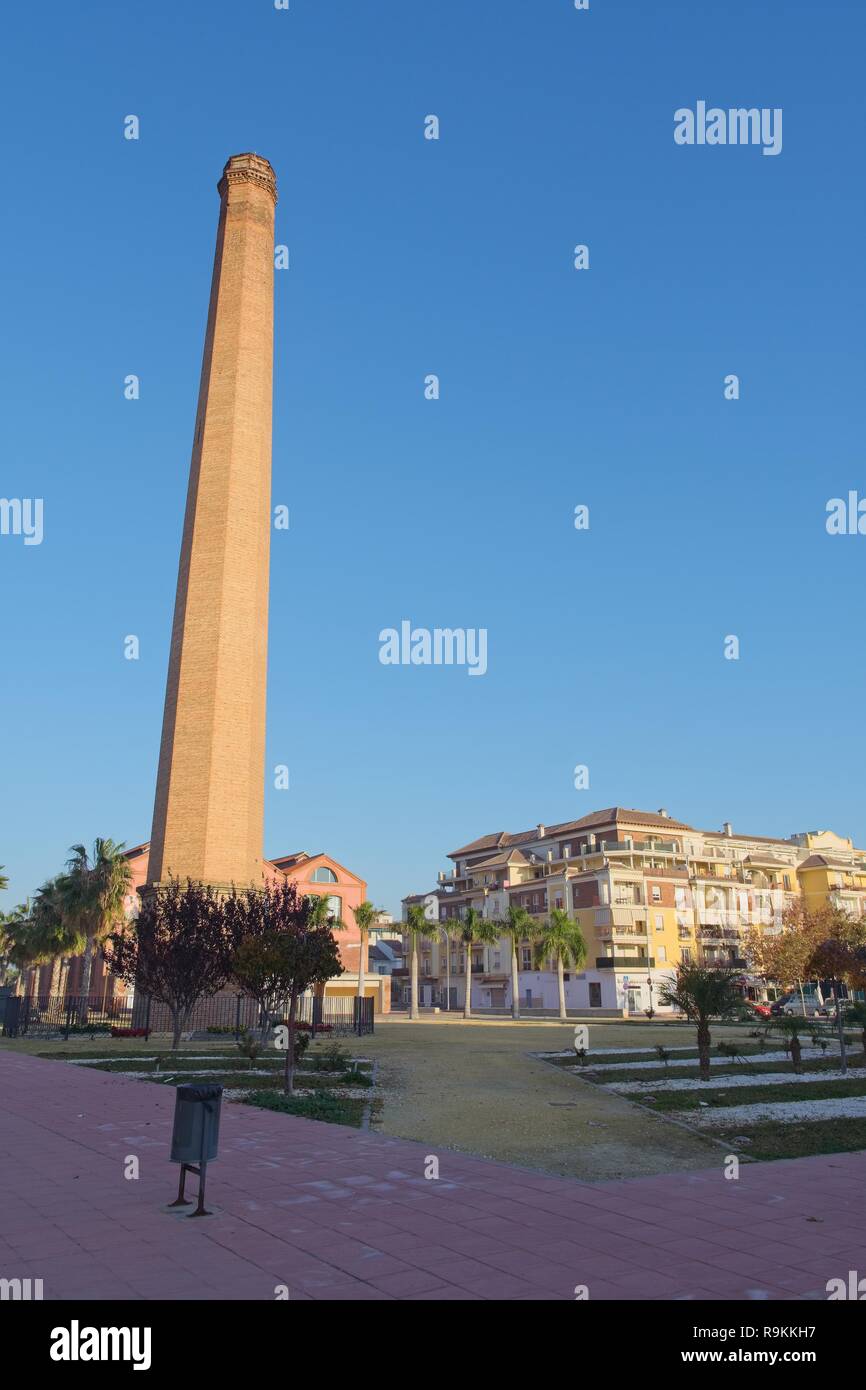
647, 890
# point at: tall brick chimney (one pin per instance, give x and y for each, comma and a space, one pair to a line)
208, 819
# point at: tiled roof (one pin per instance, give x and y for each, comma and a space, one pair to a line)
613, 815
822, 861
759, 839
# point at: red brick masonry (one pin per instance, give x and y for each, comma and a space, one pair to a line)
338, 1214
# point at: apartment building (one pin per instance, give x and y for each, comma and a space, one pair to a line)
647, 890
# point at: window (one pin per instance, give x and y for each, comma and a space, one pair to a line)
660, 921
526, 957
661, 953
323, 875
335, 906
594, 996
657, 893
497, 960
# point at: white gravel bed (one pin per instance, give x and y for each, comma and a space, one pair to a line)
693, 1083
300, 1093
783, 1112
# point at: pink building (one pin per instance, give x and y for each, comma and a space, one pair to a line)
317, 874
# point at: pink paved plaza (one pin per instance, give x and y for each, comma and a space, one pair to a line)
335, 1213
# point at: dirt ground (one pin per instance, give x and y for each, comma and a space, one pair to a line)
477, 1088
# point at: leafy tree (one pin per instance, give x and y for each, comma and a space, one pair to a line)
789, 954
471, 929
702, 993
841, 959
560, 936
177, 951
91, 897
284, 953
855, 1015
517, 925
415, 927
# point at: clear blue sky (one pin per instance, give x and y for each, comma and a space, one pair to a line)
409, 257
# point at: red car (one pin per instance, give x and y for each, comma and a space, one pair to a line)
760, 1010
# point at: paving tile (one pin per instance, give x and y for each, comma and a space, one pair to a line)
340, 1215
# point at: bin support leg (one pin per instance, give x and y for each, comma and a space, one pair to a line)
180, 1200
200, 1209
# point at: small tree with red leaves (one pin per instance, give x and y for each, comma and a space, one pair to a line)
281, 951
178, 950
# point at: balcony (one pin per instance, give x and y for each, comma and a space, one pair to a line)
624, 962
620, 914
645, 847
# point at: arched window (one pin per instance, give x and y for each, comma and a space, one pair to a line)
336, 907
323, 875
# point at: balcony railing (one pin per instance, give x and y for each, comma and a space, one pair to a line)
624, 962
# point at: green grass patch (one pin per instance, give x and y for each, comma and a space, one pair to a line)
332, 1110
753, 1066
771, 1140
752, 1095
599, 1058
230, 1061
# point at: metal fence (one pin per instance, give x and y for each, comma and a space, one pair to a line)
47, 1016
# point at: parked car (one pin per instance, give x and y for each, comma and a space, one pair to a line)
791, 1005
759, 1010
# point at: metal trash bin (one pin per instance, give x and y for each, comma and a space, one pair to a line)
195, 1136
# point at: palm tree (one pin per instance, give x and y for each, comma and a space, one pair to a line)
702, 993
560, 936
4, 882
55, 937
519, 926
322, 914
366, 916
416, 926
471, 928
16, 940
91, 897
793, 1029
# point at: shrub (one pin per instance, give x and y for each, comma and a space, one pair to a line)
333, 1058
249, 1047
